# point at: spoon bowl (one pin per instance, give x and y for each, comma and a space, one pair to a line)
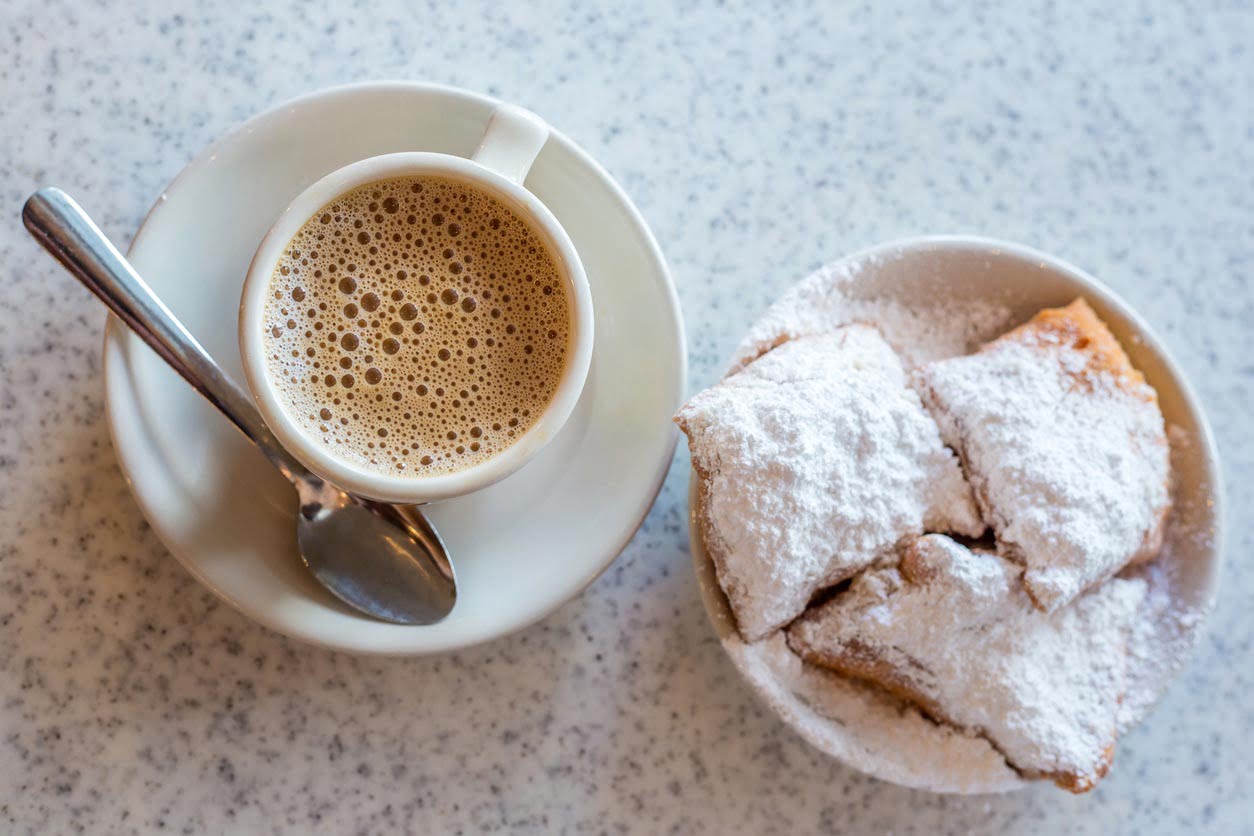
333, 528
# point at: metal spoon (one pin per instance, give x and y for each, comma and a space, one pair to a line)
384, 560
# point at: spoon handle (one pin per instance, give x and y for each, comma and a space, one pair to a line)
65, 231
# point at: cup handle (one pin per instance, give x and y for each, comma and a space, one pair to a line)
511, 142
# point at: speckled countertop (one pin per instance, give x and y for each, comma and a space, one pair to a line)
759, 142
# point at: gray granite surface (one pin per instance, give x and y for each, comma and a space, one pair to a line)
759, 141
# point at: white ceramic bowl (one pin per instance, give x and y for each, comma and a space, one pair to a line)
847, 726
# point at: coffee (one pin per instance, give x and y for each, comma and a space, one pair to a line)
416, 326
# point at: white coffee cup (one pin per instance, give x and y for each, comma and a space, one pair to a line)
510, 144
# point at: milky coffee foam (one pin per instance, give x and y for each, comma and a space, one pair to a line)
416, 326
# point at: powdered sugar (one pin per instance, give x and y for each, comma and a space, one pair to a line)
816, 460
866, 727
919, 331
1068, 456
954, 630
1170, 621
1160, 640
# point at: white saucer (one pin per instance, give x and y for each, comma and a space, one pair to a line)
522, 547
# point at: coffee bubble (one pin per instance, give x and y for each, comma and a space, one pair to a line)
443, 316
